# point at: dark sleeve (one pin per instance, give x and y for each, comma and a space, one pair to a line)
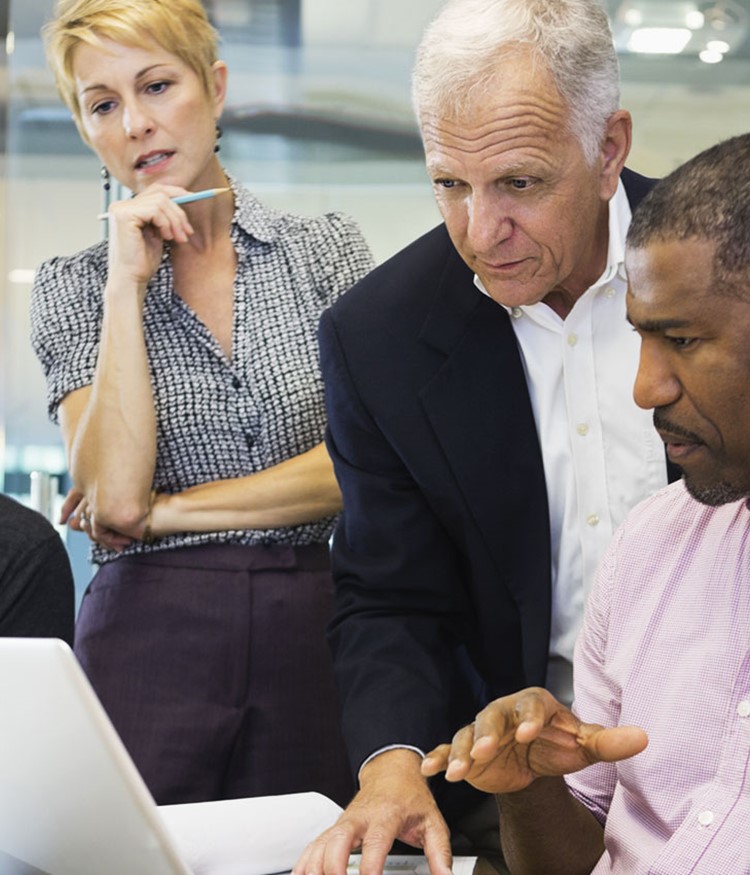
36, 583
396, 631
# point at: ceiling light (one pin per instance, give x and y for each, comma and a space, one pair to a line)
710, 57
659, 40
695, 19
633, 17
718, 45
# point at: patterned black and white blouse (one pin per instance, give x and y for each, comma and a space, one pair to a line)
216, 418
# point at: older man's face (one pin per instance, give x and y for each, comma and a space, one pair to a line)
695, 365
521, 205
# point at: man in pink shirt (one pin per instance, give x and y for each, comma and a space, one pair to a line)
664, 655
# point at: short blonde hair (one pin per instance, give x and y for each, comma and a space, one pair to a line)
179, 26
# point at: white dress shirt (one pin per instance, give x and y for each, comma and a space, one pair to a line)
601, 453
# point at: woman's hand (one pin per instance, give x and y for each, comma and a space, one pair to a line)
519, 738
138, 228
79, 516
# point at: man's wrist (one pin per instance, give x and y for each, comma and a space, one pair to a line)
391, 758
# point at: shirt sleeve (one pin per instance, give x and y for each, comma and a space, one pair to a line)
337, 254
66, 319
597, 696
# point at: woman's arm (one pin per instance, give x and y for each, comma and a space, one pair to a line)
109, 428
299, 490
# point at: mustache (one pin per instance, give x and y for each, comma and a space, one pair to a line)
661, 423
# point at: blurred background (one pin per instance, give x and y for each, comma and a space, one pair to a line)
318, 118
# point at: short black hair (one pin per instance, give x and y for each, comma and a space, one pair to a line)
707, 197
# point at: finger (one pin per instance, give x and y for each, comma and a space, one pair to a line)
109, 538
172, 223
532, 711
612, 745
311, 859
460, 758
345, 837
154, 209
436, 760
376, 844
70, 503
520, 717
437, 847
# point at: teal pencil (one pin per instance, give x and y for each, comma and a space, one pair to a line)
187, 198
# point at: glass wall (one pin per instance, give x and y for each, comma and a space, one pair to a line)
318, 118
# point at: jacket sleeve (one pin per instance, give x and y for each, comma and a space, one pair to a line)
396, 635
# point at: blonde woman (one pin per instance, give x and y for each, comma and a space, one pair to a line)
182, 365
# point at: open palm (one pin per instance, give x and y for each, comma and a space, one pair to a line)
525, 736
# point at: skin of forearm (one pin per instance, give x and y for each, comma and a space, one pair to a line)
299, 490
545, 829
113, 450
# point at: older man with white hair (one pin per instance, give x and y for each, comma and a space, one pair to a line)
481, 420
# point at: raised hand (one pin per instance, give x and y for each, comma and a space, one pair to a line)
138, 228
525, 736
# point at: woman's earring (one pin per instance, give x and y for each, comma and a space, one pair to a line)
105, 179
219, 132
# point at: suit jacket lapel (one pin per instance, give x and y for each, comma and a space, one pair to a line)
479, 408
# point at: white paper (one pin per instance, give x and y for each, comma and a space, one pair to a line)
413, 864
257, 836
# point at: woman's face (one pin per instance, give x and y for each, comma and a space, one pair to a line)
147, 115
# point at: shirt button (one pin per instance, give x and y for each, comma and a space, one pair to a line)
706, 818
743, 709
609, 292
572, 339
516, 312
236, 382
582, 429
593, 519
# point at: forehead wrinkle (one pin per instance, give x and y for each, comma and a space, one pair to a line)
531, 113
534, 146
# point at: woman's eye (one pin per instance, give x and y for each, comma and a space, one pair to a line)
157, 87
103, 108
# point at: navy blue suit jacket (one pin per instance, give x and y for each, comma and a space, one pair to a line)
442, 556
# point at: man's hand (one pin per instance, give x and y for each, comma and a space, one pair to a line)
394, 802
525, 736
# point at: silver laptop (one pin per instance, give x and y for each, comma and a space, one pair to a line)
71, 800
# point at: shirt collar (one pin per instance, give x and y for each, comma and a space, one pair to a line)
251, 215
620, 215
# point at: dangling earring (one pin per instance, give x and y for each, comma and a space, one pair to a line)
219, 132
105, 179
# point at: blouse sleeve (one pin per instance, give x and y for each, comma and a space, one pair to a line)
66, 319
337, 254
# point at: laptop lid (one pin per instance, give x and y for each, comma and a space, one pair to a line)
71, 800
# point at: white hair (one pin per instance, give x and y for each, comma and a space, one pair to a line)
460, 51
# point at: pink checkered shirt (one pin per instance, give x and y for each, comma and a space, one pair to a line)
666, 646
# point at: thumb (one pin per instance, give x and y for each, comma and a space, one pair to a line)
612, 745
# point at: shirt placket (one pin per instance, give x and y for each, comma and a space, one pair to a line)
585, 435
